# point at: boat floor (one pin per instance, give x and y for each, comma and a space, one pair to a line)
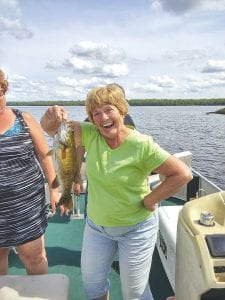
63, 246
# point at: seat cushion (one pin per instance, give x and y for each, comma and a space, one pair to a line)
35, 287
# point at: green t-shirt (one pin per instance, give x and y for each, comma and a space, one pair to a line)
118, 178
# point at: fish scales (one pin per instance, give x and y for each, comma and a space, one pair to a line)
64, 149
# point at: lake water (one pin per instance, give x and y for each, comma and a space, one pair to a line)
176, 128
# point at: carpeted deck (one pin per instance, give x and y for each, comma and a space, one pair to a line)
63, 246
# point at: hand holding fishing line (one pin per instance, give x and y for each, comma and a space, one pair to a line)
52, 119
55, 198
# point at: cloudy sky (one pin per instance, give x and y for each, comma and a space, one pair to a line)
60, 49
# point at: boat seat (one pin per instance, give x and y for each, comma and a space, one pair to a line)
35, 287
186, 157
166, 239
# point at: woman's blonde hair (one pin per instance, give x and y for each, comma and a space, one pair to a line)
112, 94
3, 82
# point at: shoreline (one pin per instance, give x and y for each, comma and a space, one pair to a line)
133, 102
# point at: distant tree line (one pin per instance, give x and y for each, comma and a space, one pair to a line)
133, 102
175, 102
47, 103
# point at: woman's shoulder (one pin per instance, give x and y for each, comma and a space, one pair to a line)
88, 126
28, 118
89, 133
139, 136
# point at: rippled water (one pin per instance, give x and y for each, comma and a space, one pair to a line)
177, 128
188, 128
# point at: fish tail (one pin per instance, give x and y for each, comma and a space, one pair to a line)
66, 200
50, 152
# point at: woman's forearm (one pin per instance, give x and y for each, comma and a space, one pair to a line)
167, 188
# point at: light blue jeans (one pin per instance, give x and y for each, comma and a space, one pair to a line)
135, 245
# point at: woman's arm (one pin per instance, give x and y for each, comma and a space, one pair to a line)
78, 186
80, 151
176, 174
46, 163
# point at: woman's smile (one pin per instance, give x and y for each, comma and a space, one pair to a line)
108, 124
109, 121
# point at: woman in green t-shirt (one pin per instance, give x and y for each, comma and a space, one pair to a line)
122, 210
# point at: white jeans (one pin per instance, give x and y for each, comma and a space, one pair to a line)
135, 246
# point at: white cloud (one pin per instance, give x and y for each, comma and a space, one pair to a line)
94, 58
98, 51
214, 66
7, 6
147, 87
17, 77
156, 84
71, 82
175, 6
196, 84
213, 4
14, 28
163, 81
10, 22
182, 6
64, 94
115, 70
82, 83
148, 50
220, 76
81, 65
53, 65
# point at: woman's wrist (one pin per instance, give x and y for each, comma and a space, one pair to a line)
149, 204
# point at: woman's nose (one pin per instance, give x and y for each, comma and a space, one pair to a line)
104, 116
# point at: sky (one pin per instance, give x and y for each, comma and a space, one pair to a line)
161, 49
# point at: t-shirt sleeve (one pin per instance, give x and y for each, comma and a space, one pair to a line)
88, 130
153, 155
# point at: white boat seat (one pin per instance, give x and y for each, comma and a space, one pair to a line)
166, 240
186, 157
35, 287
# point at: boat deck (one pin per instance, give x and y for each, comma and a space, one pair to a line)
63, 245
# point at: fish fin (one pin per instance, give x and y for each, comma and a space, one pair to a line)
55, 182
70, 204
50, 152
66, 200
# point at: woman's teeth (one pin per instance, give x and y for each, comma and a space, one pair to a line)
107, 125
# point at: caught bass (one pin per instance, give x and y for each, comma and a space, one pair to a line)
65, 159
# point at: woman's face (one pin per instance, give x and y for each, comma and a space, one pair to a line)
108, 120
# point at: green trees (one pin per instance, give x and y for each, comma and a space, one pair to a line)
132, 102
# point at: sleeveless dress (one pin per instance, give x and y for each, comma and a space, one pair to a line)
23, 214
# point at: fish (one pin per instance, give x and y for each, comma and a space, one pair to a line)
66, 164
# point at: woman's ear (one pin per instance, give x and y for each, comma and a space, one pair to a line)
122, 116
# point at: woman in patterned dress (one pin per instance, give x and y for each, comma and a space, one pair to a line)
23, 166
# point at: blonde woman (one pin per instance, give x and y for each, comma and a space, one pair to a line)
122, 210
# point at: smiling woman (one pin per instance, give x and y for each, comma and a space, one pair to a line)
113, 94
107, 111
122, 210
